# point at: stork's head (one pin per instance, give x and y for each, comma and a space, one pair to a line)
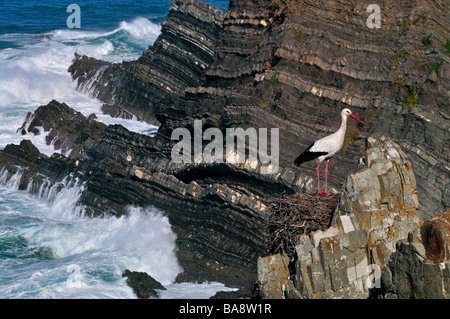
347, 112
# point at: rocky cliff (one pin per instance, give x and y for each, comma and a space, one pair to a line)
377, 245
377, 208
284, 64
218, 218
295, 64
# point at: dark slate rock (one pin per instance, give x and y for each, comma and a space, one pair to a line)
144, 285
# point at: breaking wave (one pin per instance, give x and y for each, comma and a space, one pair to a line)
35, 72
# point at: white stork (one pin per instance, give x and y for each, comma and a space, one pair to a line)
325, 148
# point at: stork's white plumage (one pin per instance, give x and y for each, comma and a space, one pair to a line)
325, 148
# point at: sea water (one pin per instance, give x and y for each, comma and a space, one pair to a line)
48, 247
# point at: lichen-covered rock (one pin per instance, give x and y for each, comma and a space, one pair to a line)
382, 198
273, 275
409, 275
377, 246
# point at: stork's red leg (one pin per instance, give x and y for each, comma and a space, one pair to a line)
318, 181
326, 179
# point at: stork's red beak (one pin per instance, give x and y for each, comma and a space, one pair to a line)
352, 116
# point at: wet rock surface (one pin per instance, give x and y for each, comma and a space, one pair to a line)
218, 219
377, 245
144, 286
64, 128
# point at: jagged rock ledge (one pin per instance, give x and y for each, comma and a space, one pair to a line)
144, 286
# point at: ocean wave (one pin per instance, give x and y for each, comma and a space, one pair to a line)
141, 28
138, 28
79, 257
36, 72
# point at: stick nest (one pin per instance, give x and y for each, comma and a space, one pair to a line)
291, 216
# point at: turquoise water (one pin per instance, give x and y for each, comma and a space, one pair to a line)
48, 248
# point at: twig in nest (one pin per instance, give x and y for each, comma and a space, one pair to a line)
299, 226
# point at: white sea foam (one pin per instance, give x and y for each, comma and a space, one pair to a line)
192, 291
141, 28
88, 255
139, 31
138, 28
38, 72
36, 75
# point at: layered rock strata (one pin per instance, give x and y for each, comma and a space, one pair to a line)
177, 59
217, 210
295, 65
63, 127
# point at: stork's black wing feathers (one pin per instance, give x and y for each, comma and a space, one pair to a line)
307, 156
